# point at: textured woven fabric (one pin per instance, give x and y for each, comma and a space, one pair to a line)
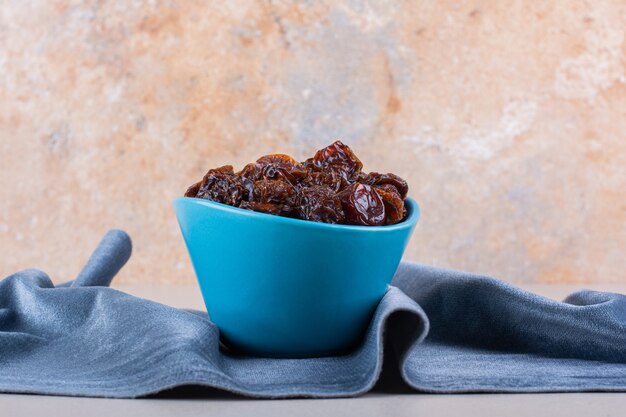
450, 332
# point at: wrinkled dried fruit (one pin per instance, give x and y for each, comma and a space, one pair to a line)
339, 158
332, 180
279, 160
330, 187
274, 191
320, 204
362, 205
273, 167
374, 178
394, 205
253, 172
221, 185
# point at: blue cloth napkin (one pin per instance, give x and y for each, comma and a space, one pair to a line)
445, 331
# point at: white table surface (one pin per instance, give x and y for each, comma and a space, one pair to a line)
203, 402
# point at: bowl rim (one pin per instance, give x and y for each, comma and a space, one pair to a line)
412, 218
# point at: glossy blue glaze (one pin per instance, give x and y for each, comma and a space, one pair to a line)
277, 286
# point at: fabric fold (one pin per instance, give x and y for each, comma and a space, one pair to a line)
97, 341
487, 335
451, 332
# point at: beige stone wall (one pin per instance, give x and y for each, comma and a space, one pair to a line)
508, 118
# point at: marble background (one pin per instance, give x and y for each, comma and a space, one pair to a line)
507, 118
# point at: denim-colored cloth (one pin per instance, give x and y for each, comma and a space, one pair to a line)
446, 331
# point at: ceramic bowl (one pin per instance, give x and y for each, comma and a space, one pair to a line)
283, 287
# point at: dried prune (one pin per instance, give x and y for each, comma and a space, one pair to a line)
274, 191
338, 157
223, 186
331, 179
394, 205
374, 178
330, 187
278, 160
253, 172
320, 204
362, 205
275, 166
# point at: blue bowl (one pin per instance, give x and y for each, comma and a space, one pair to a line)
283, 287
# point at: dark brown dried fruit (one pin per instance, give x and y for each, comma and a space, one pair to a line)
320, 204
339, 158
274, 191
362, 205
394, 205
374, 178
253, 172
223, 186
275, 166
331, 179
329, 188
278, 160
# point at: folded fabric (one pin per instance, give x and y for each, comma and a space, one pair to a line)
450, 332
